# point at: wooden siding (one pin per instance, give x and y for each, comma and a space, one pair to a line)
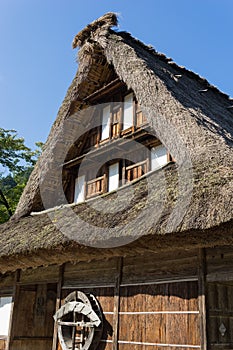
159, 314
40, 275
220, 298
32, 326
150, 301
3, 342
146, 300
220, 315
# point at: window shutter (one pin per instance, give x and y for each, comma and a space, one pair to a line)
158, 157
113, 182
79, 193
128, 111
105, 122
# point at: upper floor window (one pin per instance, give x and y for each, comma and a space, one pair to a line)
105, 122
79, 191
159, 157
122, 171
128, 111
120, 115
113, 178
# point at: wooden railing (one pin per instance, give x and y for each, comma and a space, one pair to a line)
134, 171
95, 187
3, 341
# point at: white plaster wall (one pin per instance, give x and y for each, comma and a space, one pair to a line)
5, 310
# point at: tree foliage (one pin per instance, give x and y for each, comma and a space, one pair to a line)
17, 162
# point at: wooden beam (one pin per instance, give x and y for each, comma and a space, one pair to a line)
13, 311
117, 304
202, 296
58, 304
105, 90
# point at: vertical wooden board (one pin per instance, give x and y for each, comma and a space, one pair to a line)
230, 298
2, 344
154, 297
24, 314
212, 330
220, 308
136, 327
50, 309
160, 313
182, 296
182, 329
212, 296
160, 328
34, 313
39, 311
104, 297
222, 297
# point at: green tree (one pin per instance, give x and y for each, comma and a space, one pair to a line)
17, 162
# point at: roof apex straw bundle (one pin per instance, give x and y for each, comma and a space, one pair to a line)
106, 21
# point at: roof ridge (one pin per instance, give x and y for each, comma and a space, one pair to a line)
161, 56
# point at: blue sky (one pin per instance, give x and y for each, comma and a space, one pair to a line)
37, 63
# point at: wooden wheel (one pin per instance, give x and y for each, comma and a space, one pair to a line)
80, 322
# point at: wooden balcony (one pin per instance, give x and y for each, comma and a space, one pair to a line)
96, 187
135, 171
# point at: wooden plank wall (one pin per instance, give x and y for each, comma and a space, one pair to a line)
34, 294
3, 342
146, 300
149, 302
220, 298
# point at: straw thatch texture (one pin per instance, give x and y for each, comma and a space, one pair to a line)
179, 101
36, 240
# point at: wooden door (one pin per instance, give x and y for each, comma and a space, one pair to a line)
220, 315
33, 318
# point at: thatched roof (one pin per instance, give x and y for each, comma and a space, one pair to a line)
193, 120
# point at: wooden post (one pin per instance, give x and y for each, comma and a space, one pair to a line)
58, 304
13, 311
202, 296
117, 304
123, 180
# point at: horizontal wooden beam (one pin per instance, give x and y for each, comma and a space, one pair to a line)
178, 280
160, 344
